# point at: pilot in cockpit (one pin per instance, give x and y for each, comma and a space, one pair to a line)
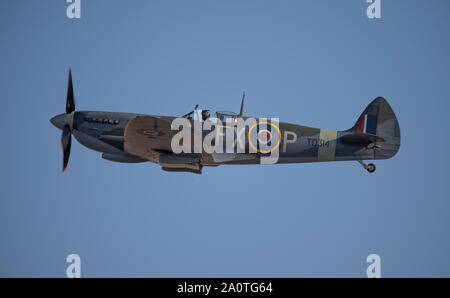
205, 115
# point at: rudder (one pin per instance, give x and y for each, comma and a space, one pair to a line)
378, 119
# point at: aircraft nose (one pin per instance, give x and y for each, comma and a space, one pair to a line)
59, 121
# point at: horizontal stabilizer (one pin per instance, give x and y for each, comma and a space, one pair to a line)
361, 138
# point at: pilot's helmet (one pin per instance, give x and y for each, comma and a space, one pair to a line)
206, 114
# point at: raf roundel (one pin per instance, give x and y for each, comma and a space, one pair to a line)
264, 136
267, 139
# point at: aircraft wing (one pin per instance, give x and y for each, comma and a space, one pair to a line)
147, 136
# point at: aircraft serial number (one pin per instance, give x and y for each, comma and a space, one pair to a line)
318, 143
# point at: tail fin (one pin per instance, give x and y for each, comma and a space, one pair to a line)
379, 120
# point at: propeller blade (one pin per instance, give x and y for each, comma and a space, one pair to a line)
70, 102
66, 142
242, 105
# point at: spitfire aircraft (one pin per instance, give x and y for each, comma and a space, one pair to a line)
136, 138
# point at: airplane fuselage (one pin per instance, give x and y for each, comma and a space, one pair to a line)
104, 132
133, 138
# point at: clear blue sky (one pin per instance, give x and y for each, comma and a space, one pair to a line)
317, 63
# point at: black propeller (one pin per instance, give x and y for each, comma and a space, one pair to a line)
66, 137
66, 142
70, 102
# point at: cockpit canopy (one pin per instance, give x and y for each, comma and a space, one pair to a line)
225, 115
200, 115
203, 115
